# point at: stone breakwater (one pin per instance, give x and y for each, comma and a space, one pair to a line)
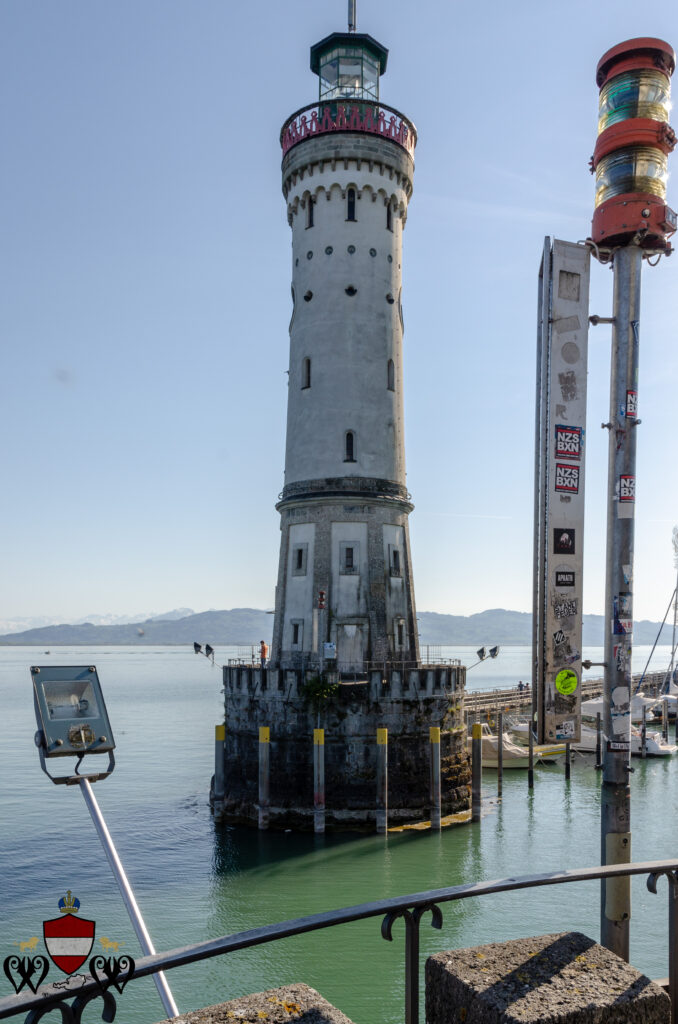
406, 703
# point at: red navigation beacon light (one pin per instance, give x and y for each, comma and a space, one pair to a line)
630, 160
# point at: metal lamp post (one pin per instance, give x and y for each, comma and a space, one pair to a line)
631, 222
73, 722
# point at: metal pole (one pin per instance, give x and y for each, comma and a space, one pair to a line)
665, 721
434, 739
530, 761
673, 938
137, 920
500, 751
264, 774
219, 781
567, 762
599, 748
476, 770
382, 781
318, 780
615, 822
643, 734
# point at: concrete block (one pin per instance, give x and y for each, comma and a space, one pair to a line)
565, 978
291, 1003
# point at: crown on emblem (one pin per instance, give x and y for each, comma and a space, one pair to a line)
69, 904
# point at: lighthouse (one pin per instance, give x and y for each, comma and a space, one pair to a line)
344, 727
345, 593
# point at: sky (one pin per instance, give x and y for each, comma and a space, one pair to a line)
145, 275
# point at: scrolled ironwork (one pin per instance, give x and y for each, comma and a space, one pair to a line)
26, 967
116, 970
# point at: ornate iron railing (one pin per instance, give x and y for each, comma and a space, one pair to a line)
115, 974
373, 118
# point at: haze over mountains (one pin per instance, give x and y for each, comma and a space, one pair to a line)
250, 625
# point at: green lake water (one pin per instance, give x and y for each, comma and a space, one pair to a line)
194, 881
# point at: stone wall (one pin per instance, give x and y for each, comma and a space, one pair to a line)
406, 703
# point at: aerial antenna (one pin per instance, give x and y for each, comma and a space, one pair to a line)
351, 15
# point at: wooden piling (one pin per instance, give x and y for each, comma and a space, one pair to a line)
567, 762
382, 782
643, 734
318, 780
434, 742
476, 770
219, 782
264, 773
599, 740
665, 721
500, 751
530, 760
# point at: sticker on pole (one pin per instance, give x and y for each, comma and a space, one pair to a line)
566, 681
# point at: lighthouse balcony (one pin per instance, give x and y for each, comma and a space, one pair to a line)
370, 118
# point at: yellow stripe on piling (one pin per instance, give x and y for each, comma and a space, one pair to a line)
220, 733
382, 737
318, 737
434, 734
477, 732
264, 734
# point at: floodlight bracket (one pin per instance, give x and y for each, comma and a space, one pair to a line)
77, 777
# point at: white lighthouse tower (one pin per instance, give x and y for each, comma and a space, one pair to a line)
345, 595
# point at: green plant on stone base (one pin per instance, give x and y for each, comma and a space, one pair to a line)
317, 692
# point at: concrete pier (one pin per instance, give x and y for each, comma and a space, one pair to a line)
565, 978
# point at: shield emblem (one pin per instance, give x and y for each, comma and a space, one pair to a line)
68, 940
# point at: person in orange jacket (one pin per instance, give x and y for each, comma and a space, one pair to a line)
263, 651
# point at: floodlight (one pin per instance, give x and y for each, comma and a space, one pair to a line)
71, 717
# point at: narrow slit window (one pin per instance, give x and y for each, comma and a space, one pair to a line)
309, 211
348, 559
300, 558
350, 204
390, 375
396, 562
295, 633
389, 217
306, 373
401, 635
349, 447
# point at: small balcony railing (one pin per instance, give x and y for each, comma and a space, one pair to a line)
116, 973
372, 118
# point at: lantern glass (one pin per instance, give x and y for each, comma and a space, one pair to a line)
635, 169
642, 93
349, 73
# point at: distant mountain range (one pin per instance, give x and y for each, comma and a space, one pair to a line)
250, 625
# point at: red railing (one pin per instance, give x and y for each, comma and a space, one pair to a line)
375, 119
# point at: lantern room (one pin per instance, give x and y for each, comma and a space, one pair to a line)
348, 66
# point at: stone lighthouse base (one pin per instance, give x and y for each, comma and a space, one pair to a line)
406, 702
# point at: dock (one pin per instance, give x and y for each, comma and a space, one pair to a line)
512, 700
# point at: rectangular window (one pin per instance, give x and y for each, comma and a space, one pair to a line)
395, 567
349, 558
299, 559
297, 634
401, 634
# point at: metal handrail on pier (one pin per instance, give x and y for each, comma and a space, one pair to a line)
513, 699
410, 908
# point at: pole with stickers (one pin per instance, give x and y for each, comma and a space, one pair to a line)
631, 222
